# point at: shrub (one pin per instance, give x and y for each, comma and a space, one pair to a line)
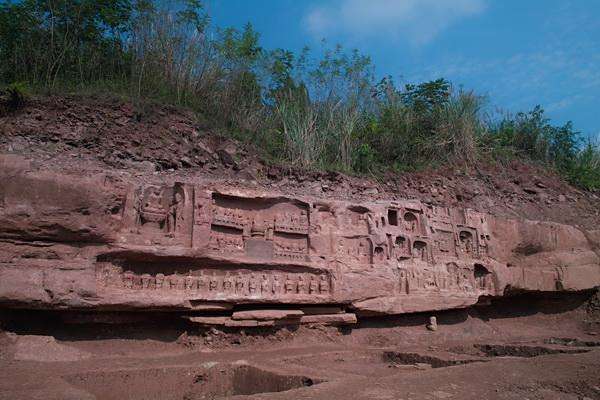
585, 169
16, 96
456, 129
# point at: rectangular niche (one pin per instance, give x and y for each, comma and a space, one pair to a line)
291, 246
393, 217
226, 239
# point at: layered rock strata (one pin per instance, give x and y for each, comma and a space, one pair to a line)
104, 244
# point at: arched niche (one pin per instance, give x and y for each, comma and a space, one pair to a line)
411, 222
466, 241
419, 250
483, 277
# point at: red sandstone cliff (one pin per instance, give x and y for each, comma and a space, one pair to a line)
102, 208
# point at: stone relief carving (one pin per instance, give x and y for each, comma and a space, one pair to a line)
211, 283
430, 250
159, 215
444, 278
252, 246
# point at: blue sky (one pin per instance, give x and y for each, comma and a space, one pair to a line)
518, 53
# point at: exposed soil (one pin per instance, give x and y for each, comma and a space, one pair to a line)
86, 136
520, 347
525, 346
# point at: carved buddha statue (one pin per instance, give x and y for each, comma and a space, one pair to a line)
153, 212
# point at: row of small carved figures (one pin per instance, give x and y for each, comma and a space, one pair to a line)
435, 280
222, 242
236, 284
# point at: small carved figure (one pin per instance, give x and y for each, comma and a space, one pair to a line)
128, 280
323, 285
258, 228
465, 280
252, 284
264, 284
201, 282
488, 283
276, 286
303, 218
453, 276
227, 284
442, 279
239, 284
418, 279
175, 215
466, 240
429, 281
301, 285
340, 247
189, 282
146, 281
379, 254
403, 281
153, 200
289, 285
371, 224
173, 281
420, 250
313, 285
213, 284
137, 206
160, 279
410, 222
202, 214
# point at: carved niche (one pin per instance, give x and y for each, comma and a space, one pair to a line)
262, 228
444, 278
159, 215
467, 241
358, 250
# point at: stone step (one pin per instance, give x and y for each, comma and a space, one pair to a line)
266, 315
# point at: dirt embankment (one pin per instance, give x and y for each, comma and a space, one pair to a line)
83, 136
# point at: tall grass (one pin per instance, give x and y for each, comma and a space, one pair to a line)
457, 127
300, 128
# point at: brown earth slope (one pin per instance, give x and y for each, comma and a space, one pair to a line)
83, 136
540, 345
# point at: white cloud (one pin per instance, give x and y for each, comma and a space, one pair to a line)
417, 21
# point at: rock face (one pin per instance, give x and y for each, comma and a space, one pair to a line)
104, 244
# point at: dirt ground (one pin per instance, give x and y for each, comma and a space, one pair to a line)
523, 347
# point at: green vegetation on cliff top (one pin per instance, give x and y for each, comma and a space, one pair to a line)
325, 111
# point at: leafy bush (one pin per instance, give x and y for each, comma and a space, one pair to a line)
585, 169
13, 97
17, 95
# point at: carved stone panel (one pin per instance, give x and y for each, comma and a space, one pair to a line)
260, 228
159, 215
213, 283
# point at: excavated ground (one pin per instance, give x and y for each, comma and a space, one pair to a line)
526, 346
535, 347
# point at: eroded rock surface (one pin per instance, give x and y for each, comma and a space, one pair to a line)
100, 243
